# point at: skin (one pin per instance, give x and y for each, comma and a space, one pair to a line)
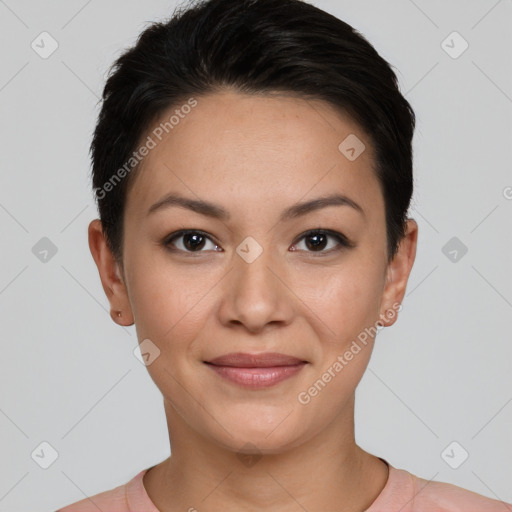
255, 156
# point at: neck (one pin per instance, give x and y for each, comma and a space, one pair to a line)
328, 471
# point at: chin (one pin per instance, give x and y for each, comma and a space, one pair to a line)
264, 440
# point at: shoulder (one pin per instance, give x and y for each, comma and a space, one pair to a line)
113, 498
446, 497
117, 499
409, 493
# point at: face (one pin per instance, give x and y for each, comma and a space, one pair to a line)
265, 276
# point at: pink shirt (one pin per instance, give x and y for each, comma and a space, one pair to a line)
403, 491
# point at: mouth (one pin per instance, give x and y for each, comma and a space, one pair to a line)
256, 371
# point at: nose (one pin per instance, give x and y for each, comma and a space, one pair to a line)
256, 295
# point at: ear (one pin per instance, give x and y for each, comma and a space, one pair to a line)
397, 275
111, 275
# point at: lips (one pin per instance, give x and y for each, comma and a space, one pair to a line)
256, 371
265, 360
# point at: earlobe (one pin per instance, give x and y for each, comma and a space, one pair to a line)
119, 318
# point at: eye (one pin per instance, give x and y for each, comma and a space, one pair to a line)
318, 240
193, 241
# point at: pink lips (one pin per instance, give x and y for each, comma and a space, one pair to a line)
256, 370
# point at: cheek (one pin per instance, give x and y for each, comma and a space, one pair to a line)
349, 306
169, 312
163, 300
346, 299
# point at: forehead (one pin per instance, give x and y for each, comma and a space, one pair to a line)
252, 150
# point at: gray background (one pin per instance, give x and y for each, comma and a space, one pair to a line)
68, 373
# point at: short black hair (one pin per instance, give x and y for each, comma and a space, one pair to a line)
253, 47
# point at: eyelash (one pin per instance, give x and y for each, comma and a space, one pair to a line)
343, 241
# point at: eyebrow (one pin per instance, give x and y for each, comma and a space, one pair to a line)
217, 212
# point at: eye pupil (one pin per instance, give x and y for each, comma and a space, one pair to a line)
317, 243
194, 245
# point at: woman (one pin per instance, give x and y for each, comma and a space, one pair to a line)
252, 165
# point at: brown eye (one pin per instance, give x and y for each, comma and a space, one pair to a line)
318, 240
189, 241
193, 241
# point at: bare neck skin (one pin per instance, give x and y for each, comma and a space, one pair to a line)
328, 472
